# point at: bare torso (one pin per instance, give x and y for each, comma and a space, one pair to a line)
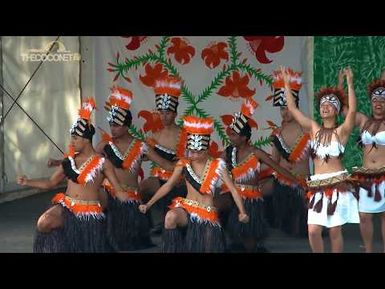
374, 157
242, 155
89, 191
192, 193
334, 164
168, 137
125, 177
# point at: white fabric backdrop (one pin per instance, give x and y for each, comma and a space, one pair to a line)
295, 53
52, 99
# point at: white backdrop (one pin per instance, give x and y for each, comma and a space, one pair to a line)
51, 99
296, 52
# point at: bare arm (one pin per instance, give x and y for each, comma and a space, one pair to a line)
53, 162
165, 164
304, 121
340, 82
275, 155
360, 117
237, 198
109, 172
348, 124
264, 157
99, 148
55, 179
163, 190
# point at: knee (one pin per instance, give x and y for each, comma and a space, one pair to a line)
365, 218
44, 224
47, 223
314, 232
170, 221
335, 233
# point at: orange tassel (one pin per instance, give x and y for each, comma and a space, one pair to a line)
161, 173
241, 170
249, 194
134, 155
89, 167
211, 174
299, 148
77, 208
266, 173
202, 212
181, 146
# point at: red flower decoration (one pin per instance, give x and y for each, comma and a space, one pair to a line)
213, 150
183, 52
227, 119
134, 41
213, 54
262, 44
271, 124
236, 86
152, 74
153, 122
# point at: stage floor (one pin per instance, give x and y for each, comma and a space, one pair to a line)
18, 218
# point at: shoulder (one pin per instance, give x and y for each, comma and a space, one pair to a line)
101, 144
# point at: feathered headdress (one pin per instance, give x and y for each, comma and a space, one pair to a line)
377, 89
82, 126
167, 91
333, 95
118, 105
295, 81
198, 132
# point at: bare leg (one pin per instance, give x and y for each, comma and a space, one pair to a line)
366, 227
315, 238
175, 218
336, 239
383, 229
50, 219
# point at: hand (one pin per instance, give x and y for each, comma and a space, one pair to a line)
143, 208
349, 75
52, 163
243, 218
284, 75
22, 180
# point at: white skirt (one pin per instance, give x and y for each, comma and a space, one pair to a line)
346, 209
367, 204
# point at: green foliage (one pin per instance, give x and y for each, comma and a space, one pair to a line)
366, 57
